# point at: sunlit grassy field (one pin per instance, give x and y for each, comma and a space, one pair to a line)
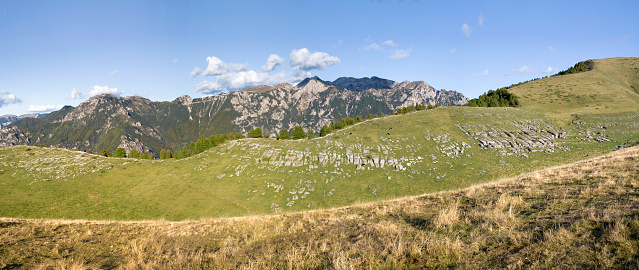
580, 215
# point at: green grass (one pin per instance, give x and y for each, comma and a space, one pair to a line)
581, 215
239, 179
609, 88
438, 149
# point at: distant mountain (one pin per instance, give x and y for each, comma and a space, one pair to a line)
108, 122
362, 84
9, 118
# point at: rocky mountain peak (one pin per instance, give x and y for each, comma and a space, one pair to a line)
184, 100
314, 86
307, 80
361, 84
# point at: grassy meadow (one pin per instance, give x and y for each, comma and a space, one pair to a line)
437, 150
580, 215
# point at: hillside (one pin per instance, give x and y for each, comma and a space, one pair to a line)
611, 87
106, 122
427, 151
580, 215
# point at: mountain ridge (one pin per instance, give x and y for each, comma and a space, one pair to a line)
109, 122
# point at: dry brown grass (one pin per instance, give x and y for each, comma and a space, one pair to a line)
582, 215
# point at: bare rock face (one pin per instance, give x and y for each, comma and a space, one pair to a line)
107, 122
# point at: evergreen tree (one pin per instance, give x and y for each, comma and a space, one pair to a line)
162, 154
255, 133
104, 153
134, 153
284, 134
119, 153
206, 143
298, 133
192, 149
324, 131
310, 134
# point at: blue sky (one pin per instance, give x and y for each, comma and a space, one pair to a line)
55, 53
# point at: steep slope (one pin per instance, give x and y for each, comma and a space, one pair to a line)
108, 122
611, 87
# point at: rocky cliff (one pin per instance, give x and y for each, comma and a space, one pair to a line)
108, 122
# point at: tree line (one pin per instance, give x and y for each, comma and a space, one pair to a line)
193, 148
582, 66
499, 98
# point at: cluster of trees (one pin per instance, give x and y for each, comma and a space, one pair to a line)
194, 148
121, 153
201, 145
340, 124
499, 98
297, 133
579, 67
414, 108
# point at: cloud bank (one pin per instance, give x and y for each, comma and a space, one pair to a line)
231, 77
43, 108
7, 98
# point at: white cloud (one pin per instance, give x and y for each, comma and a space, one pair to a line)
372, 47
550, 48
551, 70
522, 69
174, 60
7, 98
466, 30
453, 50
114, 72
239, 80
272, 62
623, 39
305, 60
399, 54
75, 94
43, 108
99, 90
218, 67
484, 73
207, 87
195, 72
480, 19
389, 43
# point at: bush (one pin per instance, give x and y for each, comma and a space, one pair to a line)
298, 133
284, 135
255, 133
499, 98
119, 153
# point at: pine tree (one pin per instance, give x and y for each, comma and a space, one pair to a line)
310, 134
134, 153
298, 133
324, 131
284, 134
104, 153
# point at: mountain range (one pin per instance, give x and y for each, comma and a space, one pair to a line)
7, 119
107, 122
